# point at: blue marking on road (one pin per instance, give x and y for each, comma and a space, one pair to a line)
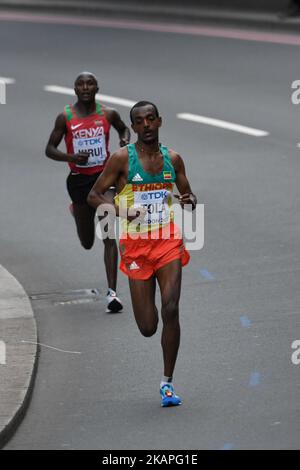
207, 275
255, 379
227, 446
245, 321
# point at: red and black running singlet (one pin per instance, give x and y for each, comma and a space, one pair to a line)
89, 134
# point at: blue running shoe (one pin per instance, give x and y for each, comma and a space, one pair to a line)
168, 397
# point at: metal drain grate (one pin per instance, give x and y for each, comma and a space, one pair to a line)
69, 297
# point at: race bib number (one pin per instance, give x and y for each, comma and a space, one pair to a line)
156, 203
95, 147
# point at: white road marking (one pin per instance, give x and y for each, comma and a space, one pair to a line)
106, 98
2, 353
222, 124
7, 81
186, 116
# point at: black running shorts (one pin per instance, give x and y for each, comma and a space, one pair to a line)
79, 186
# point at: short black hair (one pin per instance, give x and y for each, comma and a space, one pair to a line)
140, 104
86, 73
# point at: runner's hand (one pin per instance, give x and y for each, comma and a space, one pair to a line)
124, 142
187, 198
80, 158
136, 213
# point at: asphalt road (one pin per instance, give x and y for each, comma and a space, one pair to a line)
240, 299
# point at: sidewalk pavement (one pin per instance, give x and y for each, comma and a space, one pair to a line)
18, 353
191, 12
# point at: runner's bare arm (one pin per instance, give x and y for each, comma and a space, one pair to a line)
55, 139
182, 183
112, 170
121, 128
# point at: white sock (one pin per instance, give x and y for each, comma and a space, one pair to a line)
166, 380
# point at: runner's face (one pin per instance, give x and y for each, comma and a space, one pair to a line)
86, 88
146, 124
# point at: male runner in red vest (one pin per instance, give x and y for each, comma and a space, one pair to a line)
85, 127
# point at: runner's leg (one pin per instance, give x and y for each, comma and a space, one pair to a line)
169, 279
143, 304
84, 218
111, 253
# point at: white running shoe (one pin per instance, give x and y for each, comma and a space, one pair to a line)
114, 304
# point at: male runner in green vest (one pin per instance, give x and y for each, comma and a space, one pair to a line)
151, 246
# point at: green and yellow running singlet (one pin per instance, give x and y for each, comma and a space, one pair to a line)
150, 191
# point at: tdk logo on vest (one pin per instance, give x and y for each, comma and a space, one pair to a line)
89, 142
152, 196
88, 133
